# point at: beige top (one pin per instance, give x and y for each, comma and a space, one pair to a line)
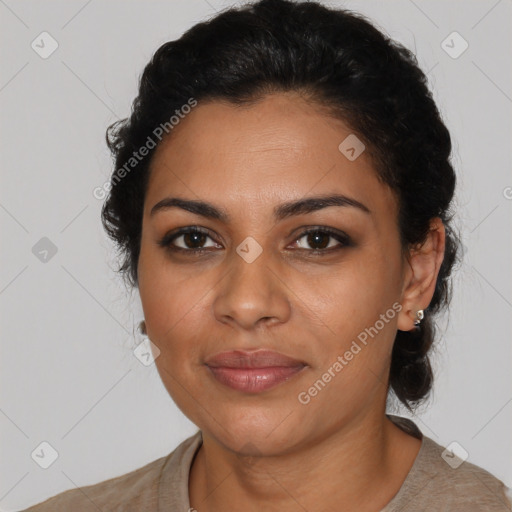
162, 485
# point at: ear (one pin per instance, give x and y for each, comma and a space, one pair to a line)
421, 271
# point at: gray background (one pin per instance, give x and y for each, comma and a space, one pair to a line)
68, 373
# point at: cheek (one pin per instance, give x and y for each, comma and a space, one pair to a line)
354, 296
174, 310
353, 363
168, 298
360, 307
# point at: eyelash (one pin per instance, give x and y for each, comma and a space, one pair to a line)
166, 241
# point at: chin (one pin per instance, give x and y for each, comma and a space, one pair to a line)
253, 429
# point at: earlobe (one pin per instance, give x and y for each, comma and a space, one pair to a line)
419, 317
424, 264
410, 319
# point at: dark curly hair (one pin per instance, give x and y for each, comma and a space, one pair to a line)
340, 60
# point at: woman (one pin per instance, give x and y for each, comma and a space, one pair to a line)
281, 200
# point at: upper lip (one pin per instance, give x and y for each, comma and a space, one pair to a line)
254, 359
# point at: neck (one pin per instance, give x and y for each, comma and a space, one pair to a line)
360, 466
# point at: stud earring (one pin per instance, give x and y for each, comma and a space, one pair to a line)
419, 317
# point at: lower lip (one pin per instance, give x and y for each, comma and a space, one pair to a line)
254, 380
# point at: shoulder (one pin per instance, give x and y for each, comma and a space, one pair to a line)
440, 480
452, 480
136, 490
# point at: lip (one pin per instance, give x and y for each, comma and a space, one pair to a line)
253, 372
253, 359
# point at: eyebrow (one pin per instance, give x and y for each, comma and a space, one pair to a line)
283, 211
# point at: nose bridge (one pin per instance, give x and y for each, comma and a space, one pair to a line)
251, 290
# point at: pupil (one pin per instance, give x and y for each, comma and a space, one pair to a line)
313, 239
196, 237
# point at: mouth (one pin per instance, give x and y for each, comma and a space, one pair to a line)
253, 372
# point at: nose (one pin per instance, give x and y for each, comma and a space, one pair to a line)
252, 294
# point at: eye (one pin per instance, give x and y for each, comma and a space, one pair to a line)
190, 239
318, 238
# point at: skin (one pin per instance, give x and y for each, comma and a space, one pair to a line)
269, 451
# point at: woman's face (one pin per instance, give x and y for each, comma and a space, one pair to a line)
261, 283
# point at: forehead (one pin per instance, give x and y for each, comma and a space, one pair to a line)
255, 156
